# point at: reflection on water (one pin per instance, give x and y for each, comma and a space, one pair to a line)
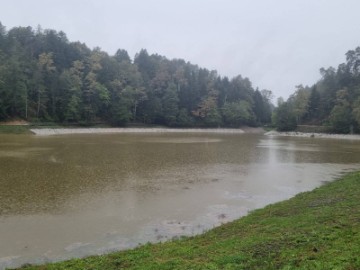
75, 195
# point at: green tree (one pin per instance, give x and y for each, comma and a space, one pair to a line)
119, 105
327, 86
13, 88
340, 116
96, 98
356, 111
122, 56
284, 118
45, 70
73, 90
240, 89
262, 106
213, 118
353, 61
146, 65
299, 102
44, 76
152, 109
238, 113
207, 105
313, 105
170, 107
184, 119
128, 102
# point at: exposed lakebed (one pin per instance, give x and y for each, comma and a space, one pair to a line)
74, 195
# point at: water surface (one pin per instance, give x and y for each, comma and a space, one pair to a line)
74, 195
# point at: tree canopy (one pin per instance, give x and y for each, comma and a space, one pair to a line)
334, 101
45, 77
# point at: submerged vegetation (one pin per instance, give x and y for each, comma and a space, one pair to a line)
45, 77
314, 230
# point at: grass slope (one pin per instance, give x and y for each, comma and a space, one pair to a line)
4, 129
314, 230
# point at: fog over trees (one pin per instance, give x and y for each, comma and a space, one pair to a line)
45, 77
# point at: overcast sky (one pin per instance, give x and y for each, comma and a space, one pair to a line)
277, 44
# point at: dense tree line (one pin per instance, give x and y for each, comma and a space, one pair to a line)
44, 77
334, 101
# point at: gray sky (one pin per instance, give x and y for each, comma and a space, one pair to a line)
277, 44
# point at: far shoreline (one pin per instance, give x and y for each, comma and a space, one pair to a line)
99, 130
313, 135
17, 127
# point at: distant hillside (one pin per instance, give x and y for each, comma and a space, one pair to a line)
45, 77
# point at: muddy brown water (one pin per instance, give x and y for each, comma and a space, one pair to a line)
76, 195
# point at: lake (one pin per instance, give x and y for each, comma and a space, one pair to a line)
75, 195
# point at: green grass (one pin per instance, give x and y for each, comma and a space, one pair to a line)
314, 230
25, 129
22, 129
14, 129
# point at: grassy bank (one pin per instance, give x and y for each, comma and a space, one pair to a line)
25, 129
14, 129
314, 230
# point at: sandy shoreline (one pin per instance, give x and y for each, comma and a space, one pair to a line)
67, 131
314, 135
63, 131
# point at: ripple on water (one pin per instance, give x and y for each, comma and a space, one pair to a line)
153, 189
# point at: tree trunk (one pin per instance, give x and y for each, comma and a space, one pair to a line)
38, 105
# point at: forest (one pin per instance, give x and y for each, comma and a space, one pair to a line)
333, 102
46, 78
